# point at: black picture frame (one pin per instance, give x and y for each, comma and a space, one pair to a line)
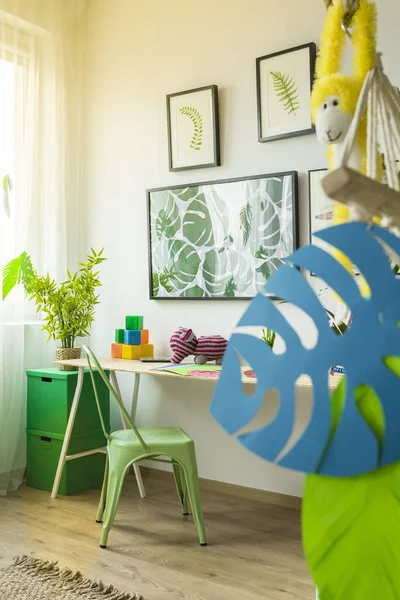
312, 48
294, 232
216, 158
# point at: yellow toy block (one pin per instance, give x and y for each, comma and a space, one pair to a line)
131, 352
116, 350
147, 350
145, 336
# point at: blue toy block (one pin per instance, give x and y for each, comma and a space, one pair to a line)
132, 337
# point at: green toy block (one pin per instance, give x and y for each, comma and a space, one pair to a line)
133, 322
119, 336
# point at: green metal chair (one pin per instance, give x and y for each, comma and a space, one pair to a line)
129, 446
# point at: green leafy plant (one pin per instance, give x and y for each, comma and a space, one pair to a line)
69, 307
246, 222
269, 337
286, 91
197, 120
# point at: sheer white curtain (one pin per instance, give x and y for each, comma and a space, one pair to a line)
41, 77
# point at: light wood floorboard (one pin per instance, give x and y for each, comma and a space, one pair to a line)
254, 549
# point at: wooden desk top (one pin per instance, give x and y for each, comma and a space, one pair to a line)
137, 367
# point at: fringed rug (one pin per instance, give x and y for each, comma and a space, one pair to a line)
33, 579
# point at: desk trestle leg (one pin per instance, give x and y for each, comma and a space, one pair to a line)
68, 433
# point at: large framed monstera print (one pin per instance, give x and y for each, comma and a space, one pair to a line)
220, 239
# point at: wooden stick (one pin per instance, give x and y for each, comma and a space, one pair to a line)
351, 187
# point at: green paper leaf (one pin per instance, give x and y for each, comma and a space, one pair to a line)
351, 535
351, 526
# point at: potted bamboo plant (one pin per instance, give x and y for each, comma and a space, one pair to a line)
68, 308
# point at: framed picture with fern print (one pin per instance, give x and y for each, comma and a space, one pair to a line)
193, 129
284, 84
220, 240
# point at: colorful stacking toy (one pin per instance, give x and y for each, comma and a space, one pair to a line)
132, 342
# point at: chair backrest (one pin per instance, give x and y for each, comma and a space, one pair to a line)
91, 358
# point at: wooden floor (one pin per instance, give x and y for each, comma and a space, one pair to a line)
254, 549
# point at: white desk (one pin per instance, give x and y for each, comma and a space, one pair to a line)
137, 368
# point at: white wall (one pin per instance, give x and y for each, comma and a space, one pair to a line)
139, 51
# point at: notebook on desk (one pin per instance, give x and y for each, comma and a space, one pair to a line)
192, 370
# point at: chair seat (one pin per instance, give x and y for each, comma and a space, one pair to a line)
153, 436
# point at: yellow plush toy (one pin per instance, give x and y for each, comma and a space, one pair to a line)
335, 95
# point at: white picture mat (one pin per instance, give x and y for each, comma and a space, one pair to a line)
182, 129
275, 120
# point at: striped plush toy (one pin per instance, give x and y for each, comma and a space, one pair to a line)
183, 343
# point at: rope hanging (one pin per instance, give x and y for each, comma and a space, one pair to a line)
351, 7
382, 101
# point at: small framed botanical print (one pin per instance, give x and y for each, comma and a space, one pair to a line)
193, 129
284, 83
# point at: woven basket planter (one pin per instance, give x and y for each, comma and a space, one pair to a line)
67, 354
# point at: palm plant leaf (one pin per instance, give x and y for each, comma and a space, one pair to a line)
197, 120
16, 271
286, 91
246, 222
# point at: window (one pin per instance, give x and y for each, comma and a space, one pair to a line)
11, 83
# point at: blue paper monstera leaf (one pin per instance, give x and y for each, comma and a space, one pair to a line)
354, 447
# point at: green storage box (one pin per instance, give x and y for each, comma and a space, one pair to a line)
50, 396
43, 452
